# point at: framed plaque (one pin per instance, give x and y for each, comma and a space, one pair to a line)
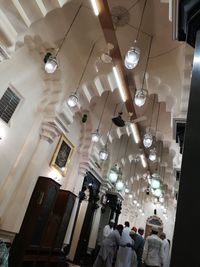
62, 155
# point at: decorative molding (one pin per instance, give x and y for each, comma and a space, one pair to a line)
4, 55
49, 131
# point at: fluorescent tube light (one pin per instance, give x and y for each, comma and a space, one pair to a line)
95, 7
143, 160
135, 132
119, 83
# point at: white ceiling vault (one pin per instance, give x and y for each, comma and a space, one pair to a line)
42, 24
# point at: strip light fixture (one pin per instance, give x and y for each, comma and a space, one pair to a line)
143, 160
95, 7
135, 132
119, 81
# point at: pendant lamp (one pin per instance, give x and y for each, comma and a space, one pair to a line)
132, 56
72, 100
51, 61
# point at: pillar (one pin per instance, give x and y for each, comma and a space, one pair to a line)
16, 208
185, 250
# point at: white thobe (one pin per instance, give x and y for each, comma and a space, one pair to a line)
166, 253
107, 230
108, 250
153, 252
126, 257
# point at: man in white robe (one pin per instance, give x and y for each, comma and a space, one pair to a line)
109, 248
108, 229
125, 255
165, 249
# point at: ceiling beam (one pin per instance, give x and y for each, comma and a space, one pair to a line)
106, 23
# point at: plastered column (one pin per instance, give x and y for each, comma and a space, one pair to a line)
13, 216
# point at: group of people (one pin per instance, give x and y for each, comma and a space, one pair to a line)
126, 247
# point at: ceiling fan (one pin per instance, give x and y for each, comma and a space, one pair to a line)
119, 122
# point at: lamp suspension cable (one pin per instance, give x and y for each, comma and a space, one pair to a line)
147, 62
132, 56
153, 106
102, 113
111, 125
95, 135
73, 98
68, 30
139, 28
157, 118
141, 94
85, 67
119, 149
51, 61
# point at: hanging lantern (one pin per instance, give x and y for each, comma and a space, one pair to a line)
140, 97
157, 192
155, 183
113, 175
119, 186
161, 200
103, 154
152, 155
72, 101
95, 136
127, 190
148, 140
51, 63
132, 58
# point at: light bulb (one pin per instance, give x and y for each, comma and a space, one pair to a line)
119, 186
113, 176
157, 192
152, 155
140, 210
103, 154
161, 200
155, 184
51, 64
132, 58
72, 101
130, 196
140, 97
143, 214
126, 190
138, 205
95, 136
135, 201
148, 140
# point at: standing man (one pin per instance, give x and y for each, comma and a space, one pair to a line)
108, 229
109, 248
165, 249
125, 254
153, 254
138, 244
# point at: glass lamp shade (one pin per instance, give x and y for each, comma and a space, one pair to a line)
113, 176
148, 140
152, 155
103, 154
119, 186
158, 192
161, 199
72, 101
140, 97
95, 136
51, 64
132, 58
126, 190
155, 184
